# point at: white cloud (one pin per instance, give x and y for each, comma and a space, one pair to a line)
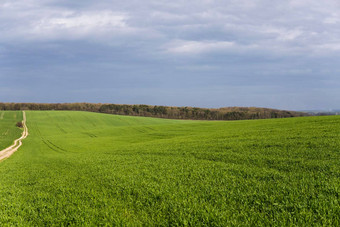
178, 25
196, 47
282, 34
87, 20
334, 19
35, 20
294, 27
209, 46
79, 24
328, 47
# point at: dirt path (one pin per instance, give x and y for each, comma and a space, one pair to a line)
17, 143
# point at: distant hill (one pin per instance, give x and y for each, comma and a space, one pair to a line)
195, 113
322, 112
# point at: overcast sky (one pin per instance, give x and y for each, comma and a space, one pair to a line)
205, 53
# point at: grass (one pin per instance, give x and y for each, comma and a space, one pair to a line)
79, 168
8, 131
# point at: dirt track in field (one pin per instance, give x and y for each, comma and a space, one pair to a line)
17, 143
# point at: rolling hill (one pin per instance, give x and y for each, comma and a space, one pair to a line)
8, 131
82, 168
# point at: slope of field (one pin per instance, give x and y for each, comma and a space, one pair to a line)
8, 131
7, 152
87, 168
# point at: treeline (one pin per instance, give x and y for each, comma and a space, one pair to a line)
227, 113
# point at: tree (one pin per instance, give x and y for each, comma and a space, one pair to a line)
19, 124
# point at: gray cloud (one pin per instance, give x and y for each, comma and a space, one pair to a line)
203, 53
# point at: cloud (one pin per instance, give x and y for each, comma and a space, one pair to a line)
78, 25
329, 47
202, 47
25, 21
172, 45
196, 47
201, 26
333, 19
86, 21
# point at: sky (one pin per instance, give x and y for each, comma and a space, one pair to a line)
203, 53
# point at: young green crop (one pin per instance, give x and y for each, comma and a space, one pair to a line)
8, 130
79, 168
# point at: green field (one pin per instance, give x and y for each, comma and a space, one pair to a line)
8, 131
80, 168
